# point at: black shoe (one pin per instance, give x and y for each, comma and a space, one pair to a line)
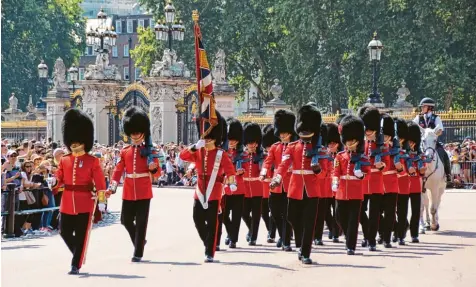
74, 270
318, 242
136, 259
227, 241
252, 243
380, 240
306, 261
218, 248
394, 239
270, 240
365, 243
208, 259
350, 252
401, 242
299, 255
449, 178
232, 245
279, 244
335, 240
415, 240
287, 248
372, 248
387, 245
248, 237
330, 236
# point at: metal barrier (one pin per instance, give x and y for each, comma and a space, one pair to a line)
464, 175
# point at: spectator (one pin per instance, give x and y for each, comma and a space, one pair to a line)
12, 175
169, 168
162, 179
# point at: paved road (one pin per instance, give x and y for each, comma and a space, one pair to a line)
174, 255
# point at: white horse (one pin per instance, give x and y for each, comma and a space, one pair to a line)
434, 180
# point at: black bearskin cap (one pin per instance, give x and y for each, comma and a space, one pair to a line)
268, 136
351, 127
388, 126
309, 120
77, 127
235, 130
324, 136
339, 118
136, 120
252, 133
414, 133
332, 133
224, 136
402, 128
371, 117
284, 122
217, 132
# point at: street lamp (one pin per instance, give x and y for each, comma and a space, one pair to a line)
104, 37
375, 51
43, 75
169, 29
73, 75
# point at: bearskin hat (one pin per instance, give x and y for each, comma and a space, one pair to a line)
311, 104
388, 127
324, 136
224, 135
332, 133
414, 133
339, 118
235, 130
371, 117
268, 136
252, 133
284, 122
309, 120
217, 131
136, 120
77, 127
402, 128
351, 127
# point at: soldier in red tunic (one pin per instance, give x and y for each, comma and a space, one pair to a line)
350, 167
268, 140
211, 163
137, 188
80, 174
373, 189
253, 157
306, 173
278, 201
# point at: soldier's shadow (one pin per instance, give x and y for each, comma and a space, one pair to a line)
112, 276
265, 265
316, 264
168, 263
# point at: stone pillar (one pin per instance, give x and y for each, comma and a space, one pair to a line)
225, 99
54, 115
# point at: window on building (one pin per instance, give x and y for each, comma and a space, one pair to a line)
129, 26
137, 73
118, 26
151, 23
89, 51
114, 51
126, 73
141, 22
126, 50
81, 74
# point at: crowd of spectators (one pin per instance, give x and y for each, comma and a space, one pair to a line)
463, 162
28, 164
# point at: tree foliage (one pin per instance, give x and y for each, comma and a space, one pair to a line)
147, 51
33, 30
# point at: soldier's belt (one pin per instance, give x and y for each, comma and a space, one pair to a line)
267, 180
137, 175
403, 174
389, 172
251, 178
302, 171
349, 177
375, 170
73, 187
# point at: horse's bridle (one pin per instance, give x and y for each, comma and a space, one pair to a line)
425, 178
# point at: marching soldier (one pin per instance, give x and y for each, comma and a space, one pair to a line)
253, 157
350, 167
278, 200
306, 173
373, 190
137, 188
81, 176
268, 140
427, 119
211, 163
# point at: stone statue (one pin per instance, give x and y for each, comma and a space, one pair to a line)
30, 108
402, 93
169, 67
101, 70
156, 124
276, 90
13, 103
59, 76
219, 73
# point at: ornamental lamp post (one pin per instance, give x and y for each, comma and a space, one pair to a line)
375, 51
104, 37
43, 75
170, 28
73, 75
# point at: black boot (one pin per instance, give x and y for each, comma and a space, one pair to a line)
74, 270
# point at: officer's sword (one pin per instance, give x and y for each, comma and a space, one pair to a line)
86, 245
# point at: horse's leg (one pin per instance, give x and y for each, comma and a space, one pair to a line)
423, 209
441, 190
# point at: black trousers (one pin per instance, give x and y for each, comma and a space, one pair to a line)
415, 203
347, 216
252, 215
73, 230
54, 219
375, 204
268, 221
233, 205
322, 208
138, 211
402, 213
206, 221
278, 204
334, 229
364, 219
389, 206
302, 216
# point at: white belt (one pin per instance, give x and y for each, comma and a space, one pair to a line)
389, 172
349, 177
375, 170
403, 174
137, 175
302, 171
267, 180
251, 178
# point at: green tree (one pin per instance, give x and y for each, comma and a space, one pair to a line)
147, 51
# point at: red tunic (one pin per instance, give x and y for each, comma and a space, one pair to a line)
274, 158
390, 178
403, 177
326, 184
253, 186
84, 170
350, 187
267, 181
375, 180
240, 184
302, 175
415, 180
226, 167
140, 186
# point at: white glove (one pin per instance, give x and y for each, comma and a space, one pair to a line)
233, 187
335, 187
200, 144
102, 207
358, 173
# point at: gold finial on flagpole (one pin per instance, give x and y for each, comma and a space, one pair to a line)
195, 15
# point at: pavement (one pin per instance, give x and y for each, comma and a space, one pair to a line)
174, 255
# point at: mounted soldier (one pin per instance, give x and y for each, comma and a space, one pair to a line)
428, 119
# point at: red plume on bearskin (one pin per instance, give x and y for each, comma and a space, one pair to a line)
77, 127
